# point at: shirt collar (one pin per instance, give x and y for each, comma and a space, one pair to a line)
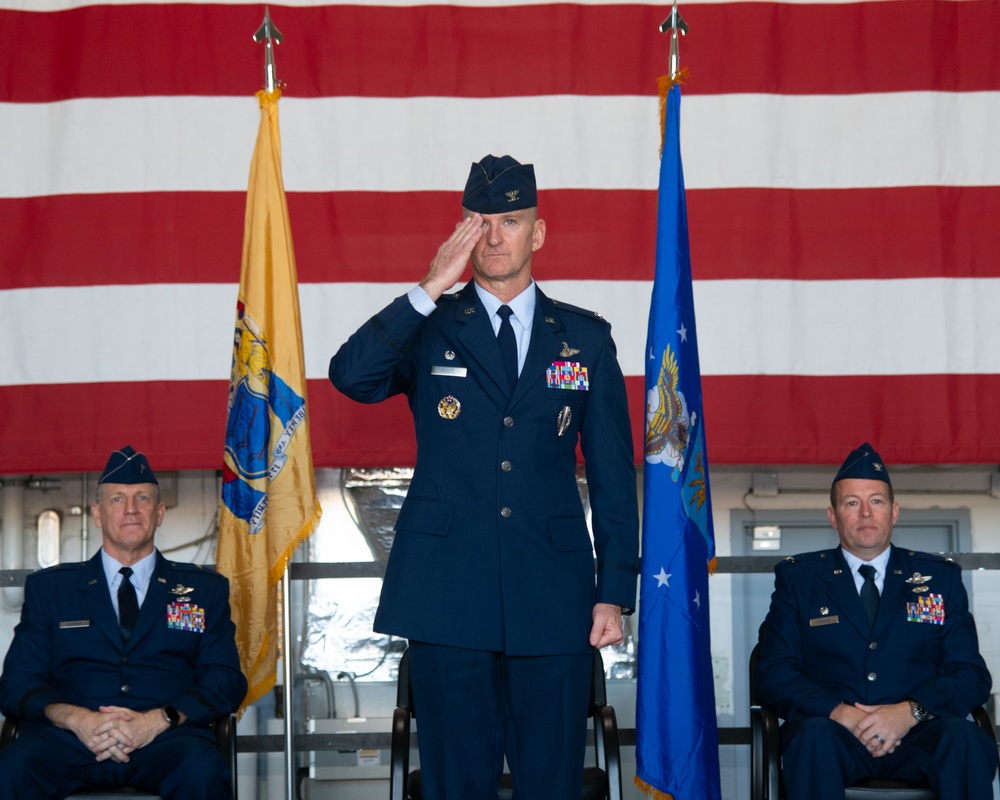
523, 305
880, 562
142, 570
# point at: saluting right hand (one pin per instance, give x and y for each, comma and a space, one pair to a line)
453, 256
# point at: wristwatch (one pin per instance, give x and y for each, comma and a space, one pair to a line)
920, 714
171, 715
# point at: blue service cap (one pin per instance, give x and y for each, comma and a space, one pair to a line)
497, 185
863, 462
127, 466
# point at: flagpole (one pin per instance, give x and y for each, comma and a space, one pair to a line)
270, 35
286, 673
678, 27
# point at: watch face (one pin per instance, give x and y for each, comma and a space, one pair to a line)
171, 715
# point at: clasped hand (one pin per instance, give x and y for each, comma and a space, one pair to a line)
114, 732
879, 728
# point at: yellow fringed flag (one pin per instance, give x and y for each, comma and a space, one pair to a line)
268, 504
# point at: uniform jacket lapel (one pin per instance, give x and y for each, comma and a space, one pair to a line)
476, 334
96, 600
154, 605
544, 346
893, 590
844, 593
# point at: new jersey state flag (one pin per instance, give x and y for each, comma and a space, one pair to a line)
269, 500
677, 745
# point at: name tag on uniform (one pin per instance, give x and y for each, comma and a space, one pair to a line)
75, 623
453, 372
815, 622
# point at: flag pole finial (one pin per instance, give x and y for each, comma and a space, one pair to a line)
677, 27
270, 36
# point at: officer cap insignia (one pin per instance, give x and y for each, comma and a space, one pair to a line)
497, 185
864, 463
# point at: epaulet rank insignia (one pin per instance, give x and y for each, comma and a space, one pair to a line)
576, 309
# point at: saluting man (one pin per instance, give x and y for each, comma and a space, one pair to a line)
491, 575
870, 655
120, 664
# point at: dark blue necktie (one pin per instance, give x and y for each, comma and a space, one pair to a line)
508, 344
869, 592
128, 605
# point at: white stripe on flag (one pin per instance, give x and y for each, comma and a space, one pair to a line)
867, 327
367, 144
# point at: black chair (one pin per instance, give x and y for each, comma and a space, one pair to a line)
765, 756
603, 782
225, 740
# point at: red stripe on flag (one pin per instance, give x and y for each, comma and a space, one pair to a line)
790, 419
839, 48
750, 420
907, 232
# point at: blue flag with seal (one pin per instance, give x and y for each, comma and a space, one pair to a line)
677, 745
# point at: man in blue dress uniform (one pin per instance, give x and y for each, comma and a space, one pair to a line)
870, 655
491, 575
119, 665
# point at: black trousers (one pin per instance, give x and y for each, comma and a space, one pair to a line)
44, 764
953, 756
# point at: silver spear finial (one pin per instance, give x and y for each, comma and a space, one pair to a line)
270, 36
678, 27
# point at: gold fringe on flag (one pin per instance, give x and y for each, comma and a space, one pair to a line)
664, 84
649, 791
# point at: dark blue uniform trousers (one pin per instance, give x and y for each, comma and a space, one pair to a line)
41, 765
953, 756
474, 707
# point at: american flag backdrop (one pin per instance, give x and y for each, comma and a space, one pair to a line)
843, 181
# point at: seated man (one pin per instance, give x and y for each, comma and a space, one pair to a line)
119, 665
870, 655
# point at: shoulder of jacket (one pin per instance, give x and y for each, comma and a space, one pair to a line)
942, 562
195, 569
583, 312
59, 569
815, 557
